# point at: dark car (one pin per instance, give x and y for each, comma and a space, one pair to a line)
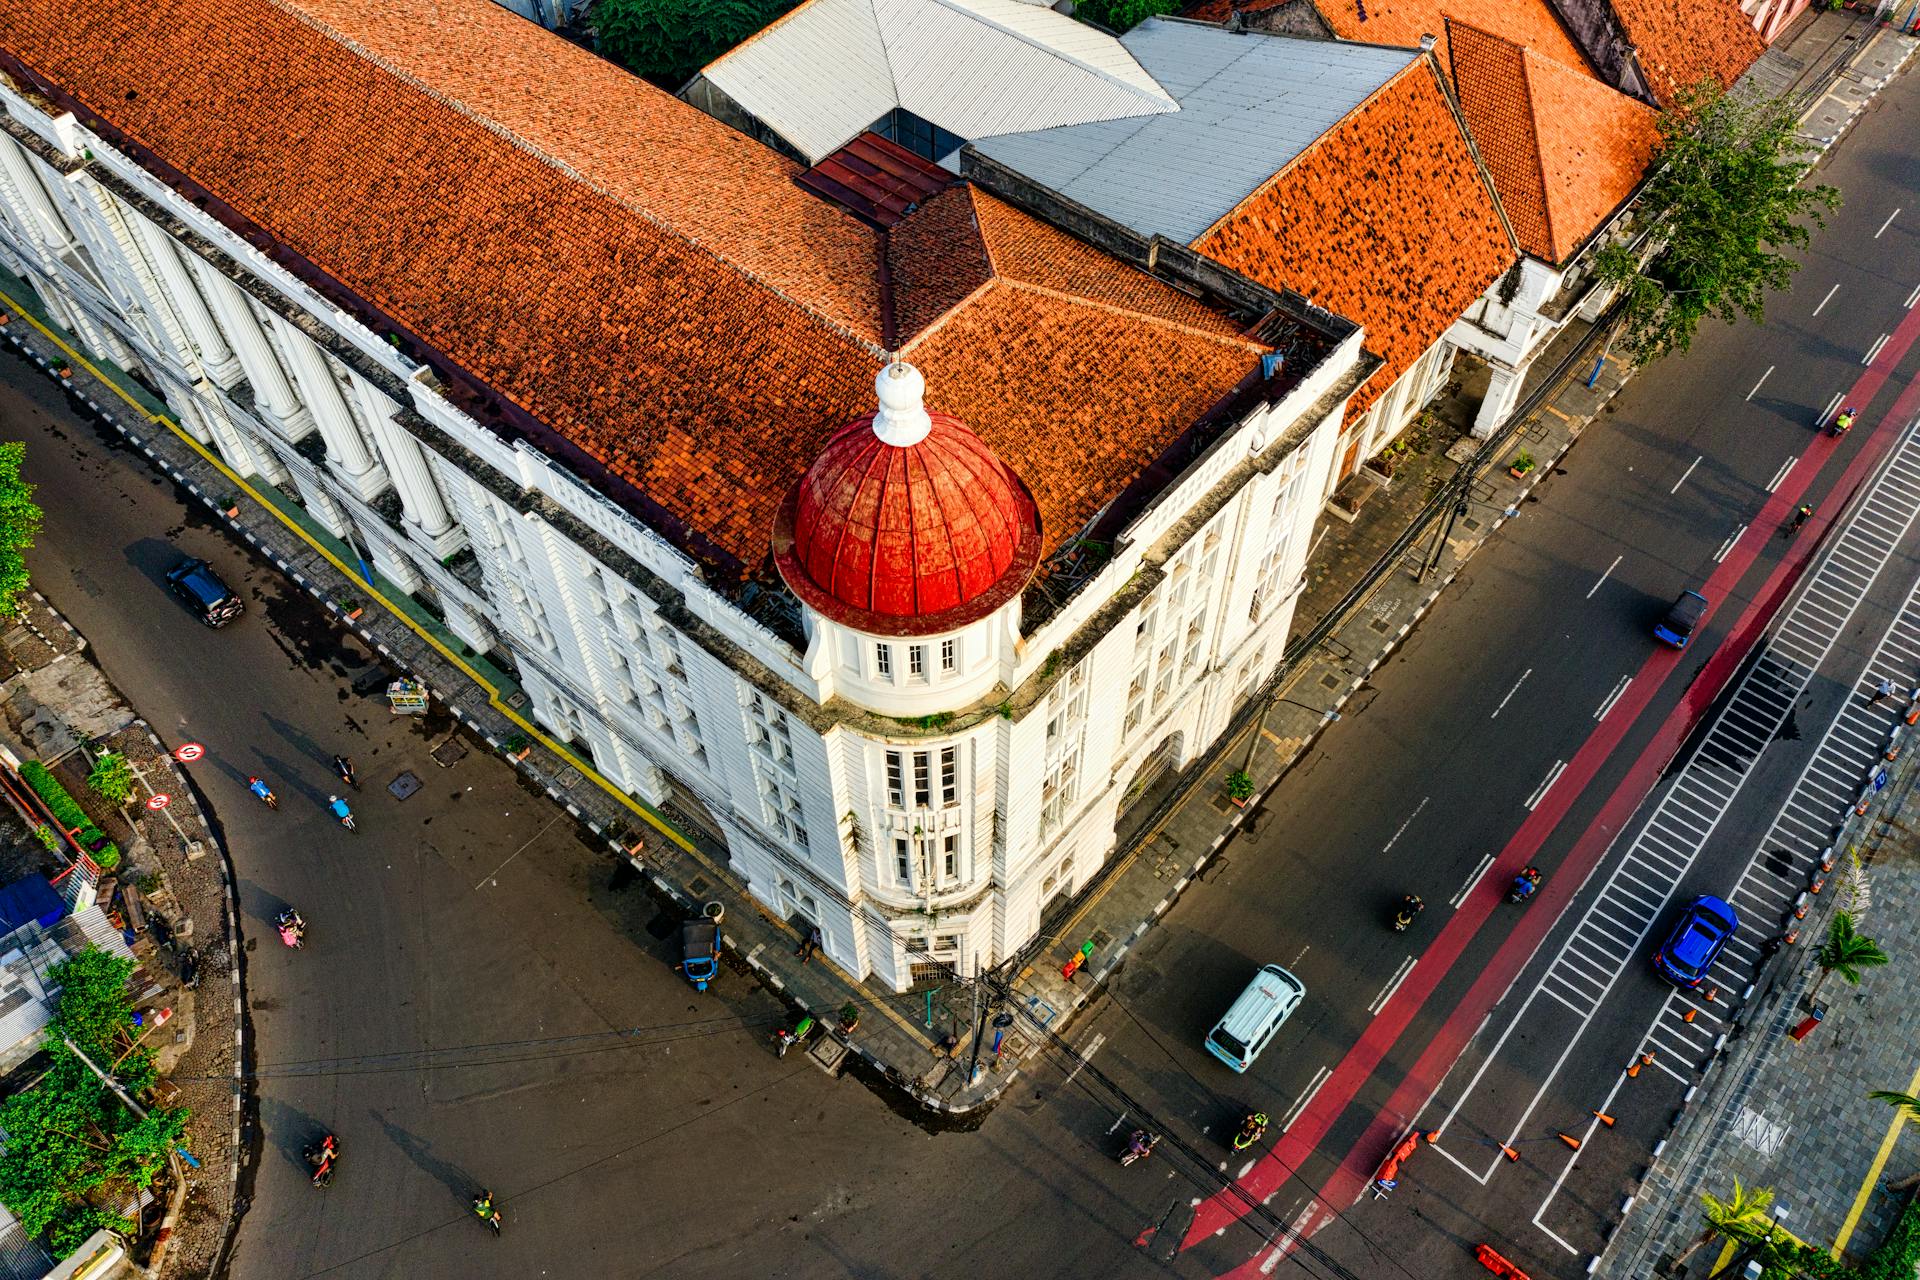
1697, 937
1677, 627
211, 600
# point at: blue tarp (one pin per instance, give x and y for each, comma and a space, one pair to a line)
29, 900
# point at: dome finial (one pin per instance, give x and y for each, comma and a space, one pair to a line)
902, 419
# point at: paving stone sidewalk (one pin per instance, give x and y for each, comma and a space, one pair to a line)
1795, 1116
61, 709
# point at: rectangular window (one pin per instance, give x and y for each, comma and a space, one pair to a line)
922, 780
948, 658
917, 661
949, 776
950, 857
902, 863
946, 942
799, 834
896, 782
883, 661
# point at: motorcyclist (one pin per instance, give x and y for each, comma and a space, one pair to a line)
1410, 909
343, 765
1251, 1130
259, 787
1802, 514
1525, 883
322, 1158
293, 930
1843, 420
483, 1207
1139, 1146
340, 810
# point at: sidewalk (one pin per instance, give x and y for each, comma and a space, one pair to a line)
1796, 1117
173, 882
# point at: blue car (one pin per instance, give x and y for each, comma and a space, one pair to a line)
211, 600
1689, 951
1677, 627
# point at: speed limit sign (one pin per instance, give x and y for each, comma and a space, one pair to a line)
188, 752
159, 800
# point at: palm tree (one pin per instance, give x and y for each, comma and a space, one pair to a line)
1742, 1217
1906, 1102
1845, 952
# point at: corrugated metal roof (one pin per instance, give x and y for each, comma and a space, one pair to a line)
976, 68
1249, 104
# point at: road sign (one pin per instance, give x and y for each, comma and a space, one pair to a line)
188, 752
159, 800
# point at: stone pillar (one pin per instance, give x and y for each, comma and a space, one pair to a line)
273, 394
49, 230
1503, 392
215, 358
473, 632
239, 450
330, 410
406, 461
321, 506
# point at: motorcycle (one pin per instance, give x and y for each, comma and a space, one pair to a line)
323, 1157
1525, 885
1139, 1146
1252, 1129
785, 1040
1841, 422
1410, 909
343, 765
293, 930
483, 1206
341, 811
261, 789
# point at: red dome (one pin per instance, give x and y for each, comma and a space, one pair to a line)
906, 524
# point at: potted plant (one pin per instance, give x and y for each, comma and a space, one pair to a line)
61, 367
849, 1017
351, 608
1239, 787
517, 746
1522, 463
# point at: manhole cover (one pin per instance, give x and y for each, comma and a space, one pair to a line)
404, 785
698, 886
1380, 625
1331, 680
1470, 525
448, 752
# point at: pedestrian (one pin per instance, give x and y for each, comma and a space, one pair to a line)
809, 944
1882, 691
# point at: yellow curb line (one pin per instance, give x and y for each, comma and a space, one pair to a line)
1874, 1170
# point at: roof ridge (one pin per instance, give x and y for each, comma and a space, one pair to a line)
1534, 151
507, 135
960, 6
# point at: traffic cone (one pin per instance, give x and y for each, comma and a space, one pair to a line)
1646, 1059
1689, 1016
1633, 1071
1570, 1140
1713, 993
1604, 1118
1509, 1152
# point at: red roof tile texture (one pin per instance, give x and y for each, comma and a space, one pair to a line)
647, 282
1564, 150
1384, 219
1680, 42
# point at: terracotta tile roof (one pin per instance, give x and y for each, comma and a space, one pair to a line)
1679, 42
1564, 149
1402, 22
649, 284
1385, 219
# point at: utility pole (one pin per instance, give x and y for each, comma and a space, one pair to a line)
111, 1083
973, 1062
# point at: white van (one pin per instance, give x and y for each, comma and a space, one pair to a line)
1268, 1001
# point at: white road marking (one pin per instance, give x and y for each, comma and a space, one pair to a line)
1875, 349
1912, 298
1697, 461
1394, 839
1603, 577
1769, 373
1727, 546
1472, 880
1093, 1047
1886, 224
1300, 1104
516, 853
1600, 713
1393, 985
1553, 776
1787, 466
1516, 688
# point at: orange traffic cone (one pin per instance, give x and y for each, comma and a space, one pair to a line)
1509, 1152
1570, 1140
1604, 1118
1689, 1015
1633, 1071
1713, 993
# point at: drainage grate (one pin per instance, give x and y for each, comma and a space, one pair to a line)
1381, 625
404, 785
698, 886
1331, 680
448, 752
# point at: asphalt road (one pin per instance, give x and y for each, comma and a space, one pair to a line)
1433, 766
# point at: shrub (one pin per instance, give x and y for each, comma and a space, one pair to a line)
1239, 785
112, 778
68, 813
1121, 16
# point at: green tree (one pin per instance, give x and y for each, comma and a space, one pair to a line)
1724, 204
1122, 16
1742, 1217
111, 778
1845, 952
95, 1011
19, 522
667, 41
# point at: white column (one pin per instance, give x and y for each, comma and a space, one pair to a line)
479, 637
273, 393
49, 229
406, 461
1503, 391
330, 410
216, 359
241, 453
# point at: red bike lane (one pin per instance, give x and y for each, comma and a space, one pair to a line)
1293, 1148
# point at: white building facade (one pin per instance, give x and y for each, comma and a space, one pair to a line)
920, 795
